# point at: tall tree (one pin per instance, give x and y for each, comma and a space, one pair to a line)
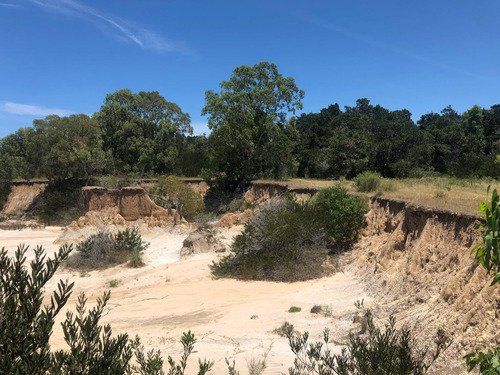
65, 147
251, 133
143, 131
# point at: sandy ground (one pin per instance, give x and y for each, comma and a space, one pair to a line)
230, 318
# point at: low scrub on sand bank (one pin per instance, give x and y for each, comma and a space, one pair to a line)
104, 249
291, 240
379, 351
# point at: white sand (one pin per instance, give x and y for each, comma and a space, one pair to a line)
169, 296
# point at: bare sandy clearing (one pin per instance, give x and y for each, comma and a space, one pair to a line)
230, 318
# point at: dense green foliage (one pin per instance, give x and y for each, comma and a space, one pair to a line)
335, 143
26, 327
289, 240
367, 181
144, 133
340, 215
104, 248
392, 351
172, 192
251, 135
487, 253
489, 362
280, 243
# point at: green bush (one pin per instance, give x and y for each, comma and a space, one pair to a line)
288, 240
367, 181
280, 243
391, 351
26, 327
487, 253
339, 214
489, 362
172, 192
103, 249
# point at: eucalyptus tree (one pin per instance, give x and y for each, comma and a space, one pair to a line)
252, 133
143, 132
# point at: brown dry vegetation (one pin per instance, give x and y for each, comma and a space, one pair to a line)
441, 192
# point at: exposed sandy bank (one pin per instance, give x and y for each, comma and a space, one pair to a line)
168, 296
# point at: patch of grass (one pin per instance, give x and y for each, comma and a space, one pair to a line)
387, 185
439, 194
294, 309
135, 260
114, 283
257, 366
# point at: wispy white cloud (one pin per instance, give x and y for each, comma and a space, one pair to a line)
9, 5
123, 29
383, 45
32, 110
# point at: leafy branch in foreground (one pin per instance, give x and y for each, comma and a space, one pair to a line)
26, 327
488, 255
488, 251
392, 351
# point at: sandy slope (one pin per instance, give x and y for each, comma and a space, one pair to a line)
230, 318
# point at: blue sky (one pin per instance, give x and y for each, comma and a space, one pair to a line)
64, 56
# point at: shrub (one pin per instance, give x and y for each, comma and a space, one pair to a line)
103, 249
489, 362
172, 192
280, 243
284, 330
324, 310
487, 253
294, 309
390, 352
340, 215
26, 327
367, 181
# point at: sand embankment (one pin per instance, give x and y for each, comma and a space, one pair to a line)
415, 262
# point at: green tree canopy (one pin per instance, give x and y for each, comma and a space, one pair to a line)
251, 133
64, 147
143, 131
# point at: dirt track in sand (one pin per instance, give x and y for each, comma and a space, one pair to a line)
230, 318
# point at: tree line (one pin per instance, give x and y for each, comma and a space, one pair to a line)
254, 134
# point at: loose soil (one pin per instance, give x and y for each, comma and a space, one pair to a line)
231, 319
